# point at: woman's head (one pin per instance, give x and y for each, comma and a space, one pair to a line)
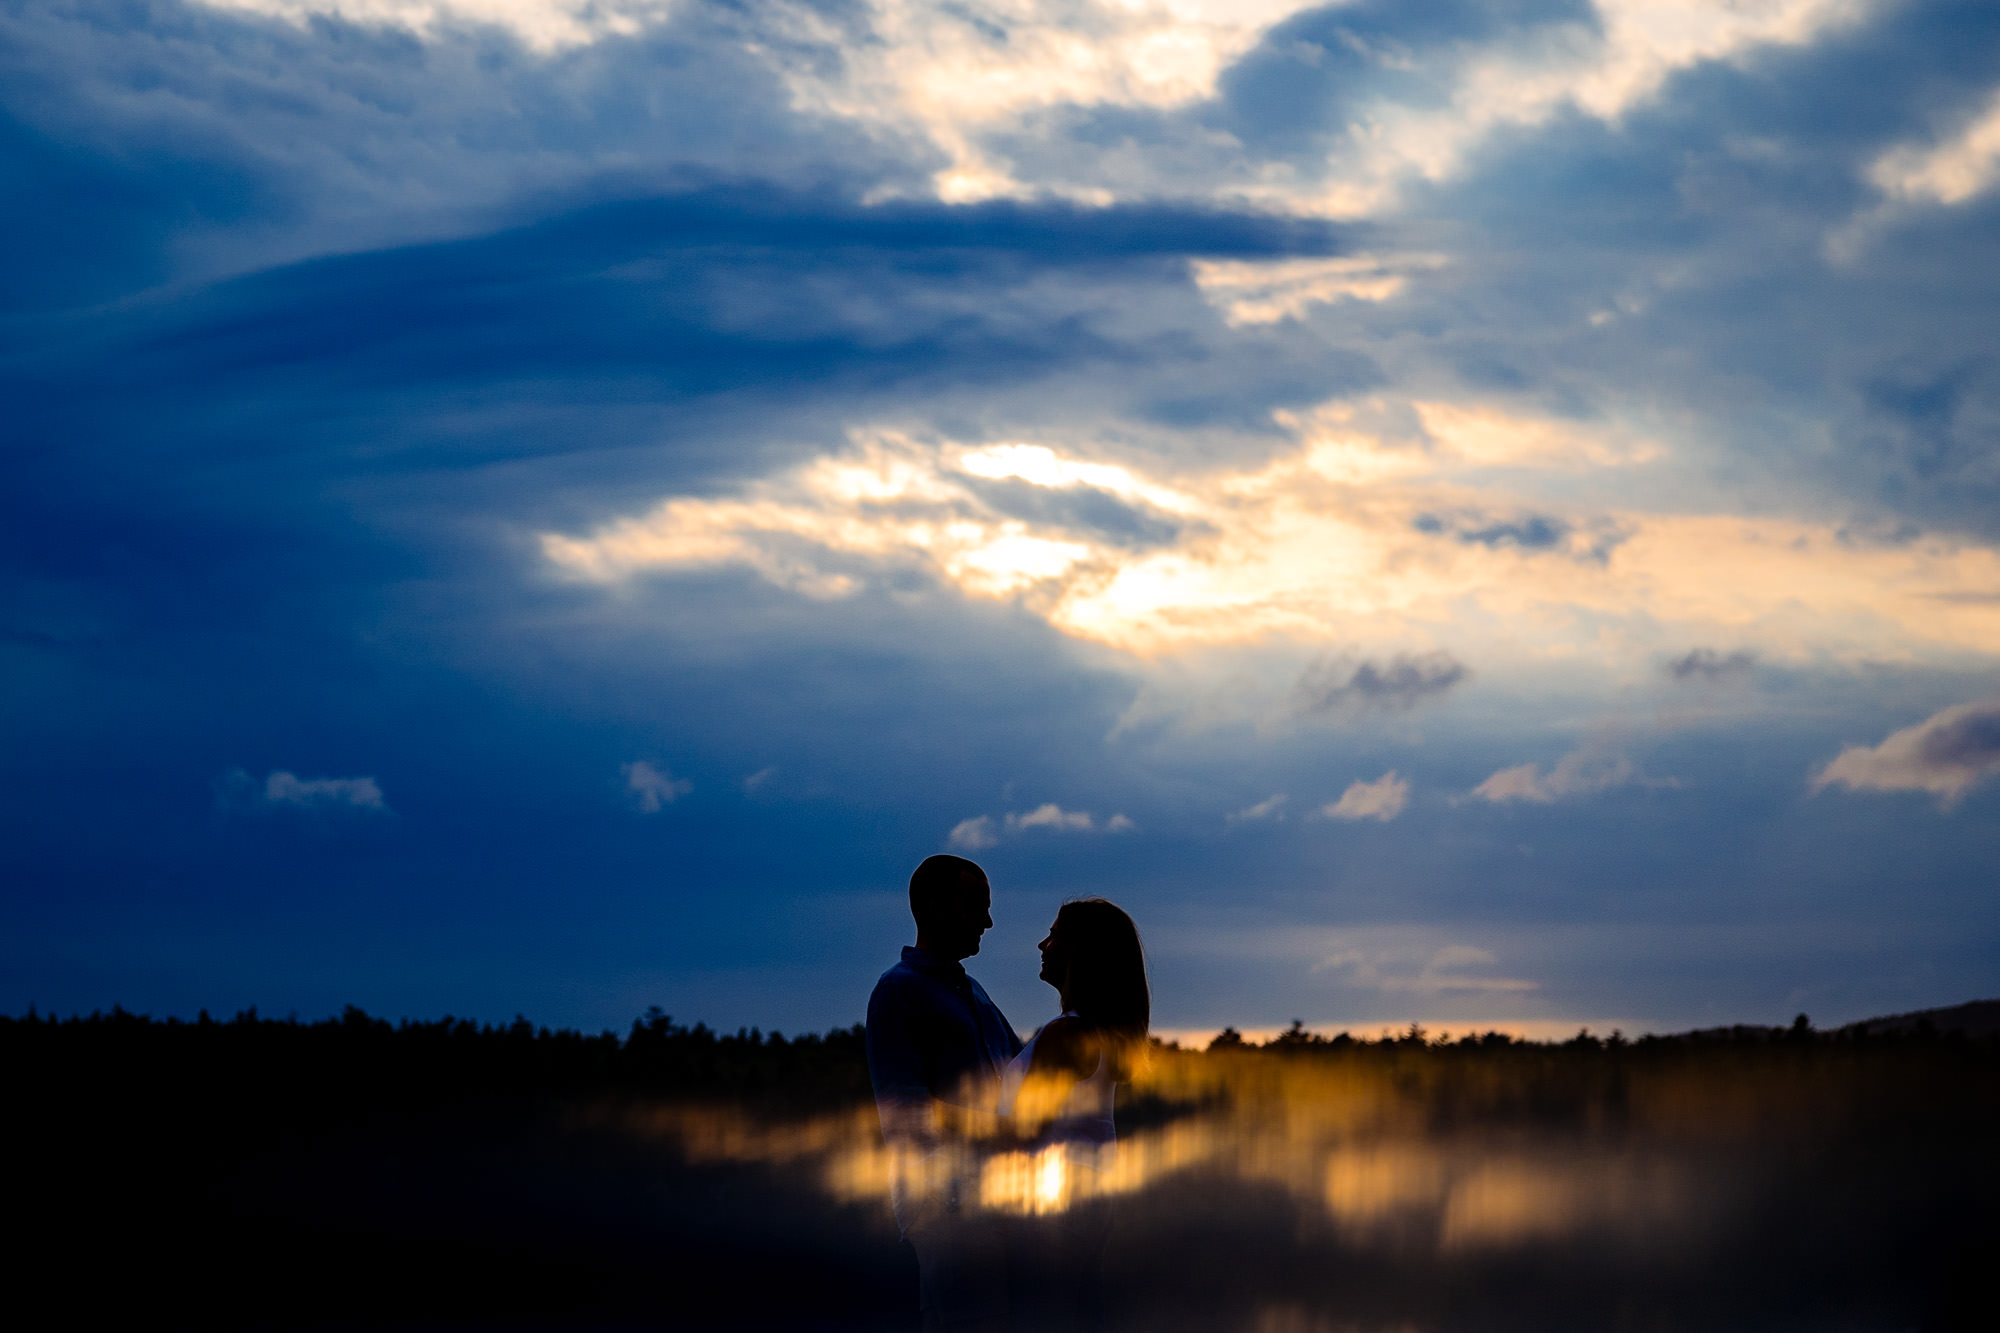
1093, 956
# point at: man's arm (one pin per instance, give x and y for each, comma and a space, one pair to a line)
896, 1064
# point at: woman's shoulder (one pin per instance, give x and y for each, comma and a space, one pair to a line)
1066, 1043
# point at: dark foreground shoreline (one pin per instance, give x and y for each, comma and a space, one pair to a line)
350, 1173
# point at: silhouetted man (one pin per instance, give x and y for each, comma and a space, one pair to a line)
936, 1045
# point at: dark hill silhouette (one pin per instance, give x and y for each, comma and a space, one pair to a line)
1978, 1018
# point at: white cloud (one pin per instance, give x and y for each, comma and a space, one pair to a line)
544, 26
1578, 773
756, 781
1960, 167
284, 789
653, 788
970, 835
1382, 799
1938, 173
1052, 816
1271, 807
1267, 291
983, 831
1947, 754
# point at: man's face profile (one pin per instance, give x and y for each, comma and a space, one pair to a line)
965, 915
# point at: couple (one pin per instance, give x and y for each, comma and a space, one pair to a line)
962, 1100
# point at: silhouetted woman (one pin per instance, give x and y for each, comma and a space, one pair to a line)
1059, 1094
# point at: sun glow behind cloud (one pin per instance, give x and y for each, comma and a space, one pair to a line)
1339, 539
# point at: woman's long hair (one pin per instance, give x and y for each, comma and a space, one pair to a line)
1107, 974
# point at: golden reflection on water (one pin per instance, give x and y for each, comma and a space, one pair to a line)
1353, 1139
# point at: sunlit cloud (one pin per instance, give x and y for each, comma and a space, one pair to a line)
653, 788
954, 74
544, 26
1950, 171
1337, 540
1264, 292
1383, 799
1942, 172
1947, 754
1602, 69
1581, 772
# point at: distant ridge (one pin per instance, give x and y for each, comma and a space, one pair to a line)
1979, 1018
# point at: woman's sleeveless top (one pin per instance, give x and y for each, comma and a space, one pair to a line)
1086, 1114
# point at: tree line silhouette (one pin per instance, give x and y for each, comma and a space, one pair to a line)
356, 1054
359, 1056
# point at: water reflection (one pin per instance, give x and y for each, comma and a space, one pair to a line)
1400, 1186
1355, 1141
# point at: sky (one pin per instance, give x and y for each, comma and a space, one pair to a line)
1476, 512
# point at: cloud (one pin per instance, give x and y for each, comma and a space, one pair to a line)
1708, 664
1381, 799
1956, 169
1271, 807
970, 835
1947, 754
1052, 816
282, 789
1444, 972
1315, 543
543, 26
1249, 292
1593, 542
1339, 684
653, 788
984, 831
1578, 773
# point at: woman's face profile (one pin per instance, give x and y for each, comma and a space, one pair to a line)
1055, 957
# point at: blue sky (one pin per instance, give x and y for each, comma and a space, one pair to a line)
1482, 513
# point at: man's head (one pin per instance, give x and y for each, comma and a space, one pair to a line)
953, 903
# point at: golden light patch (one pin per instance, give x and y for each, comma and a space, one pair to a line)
1346, 538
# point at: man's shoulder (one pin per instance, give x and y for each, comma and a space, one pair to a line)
900, 979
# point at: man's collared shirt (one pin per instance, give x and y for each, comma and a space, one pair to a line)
933, 1035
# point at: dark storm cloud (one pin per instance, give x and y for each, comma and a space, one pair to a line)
1340, 684
1709, 664
1686, 255
1524, 532
1311, 75
1083, 508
